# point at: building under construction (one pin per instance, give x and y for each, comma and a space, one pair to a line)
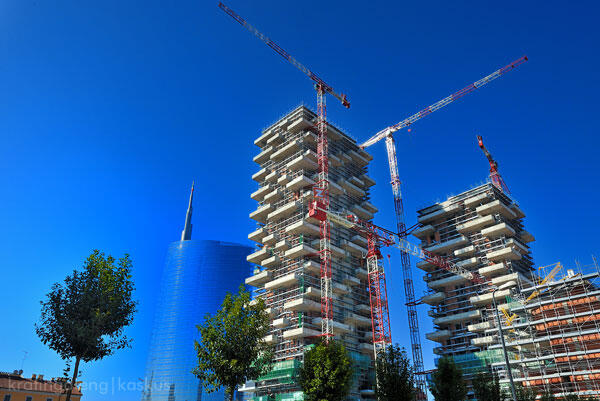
552, 332
287, 261
480, 230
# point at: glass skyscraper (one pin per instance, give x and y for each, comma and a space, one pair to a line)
196, 277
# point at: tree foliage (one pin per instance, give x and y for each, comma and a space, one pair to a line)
326, 374
84, 317
486, 387
395, 376
232, 349
447, 383
525, 393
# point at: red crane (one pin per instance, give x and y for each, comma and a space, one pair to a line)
321, 188
387, 134
494, 174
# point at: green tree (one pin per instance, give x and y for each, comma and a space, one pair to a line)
395, 376
525, 393
232, 349
486, 387
326, 374
547, 396
84, 317
447, 383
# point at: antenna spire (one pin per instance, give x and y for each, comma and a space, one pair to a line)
186, 234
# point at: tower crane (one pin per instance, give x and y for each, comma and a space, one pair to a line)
387, 134
321, 187
494, 174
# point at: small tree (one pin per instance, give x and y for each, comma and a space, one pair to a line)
525, 393
486, 387
395, 376
232, 348
326, 374
447, 383
84, 317
547, 396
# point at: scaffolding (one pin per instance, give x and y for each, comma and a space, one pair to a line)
553, 337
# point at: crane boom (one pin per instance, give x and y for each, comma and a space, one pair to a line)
444, 102
495, 176
318, 81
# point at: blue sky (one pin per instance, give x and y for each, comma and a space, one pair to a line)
110, 109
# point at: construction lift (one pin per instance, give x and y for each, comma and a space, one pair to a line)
387, 134
321, 188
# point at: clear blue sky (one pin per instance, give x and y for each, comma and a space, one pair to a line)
109, 109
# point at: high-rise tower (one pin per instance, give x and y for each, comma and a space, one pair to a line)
287, 264
196, 277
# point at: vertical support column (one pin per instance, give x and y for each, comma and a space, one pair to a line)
409, 291
321, 195
380, 315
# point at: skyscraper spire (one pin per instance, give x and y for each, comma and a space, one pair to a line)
186, 234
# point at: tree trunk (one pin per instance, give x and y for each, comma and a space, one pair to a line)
231, 392
74, 378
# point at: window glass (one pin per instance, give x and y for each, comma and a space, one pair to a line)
29, 398
7, 397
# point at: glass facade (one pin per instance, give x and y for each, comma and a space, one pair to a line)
197, 275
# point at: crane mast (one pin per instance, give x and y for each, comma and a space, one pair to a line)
321, 187
387, 133
495, 176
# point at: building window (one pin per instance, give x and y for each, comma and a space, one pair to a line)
7, 397
48, 399
29, 398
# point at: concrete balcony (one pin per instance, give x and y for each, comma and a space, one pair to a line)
305, 161
299, 182
262, 140
369, 182
466, 251
362, 213
258, 234
282, 245
363, 308
284, 179
447, 282
423, 232
426, 266
282, 322
284, 211
351, 281
299, 251
264, 155
259, 278
300, 124
468, 263
312, 267
335, 189
493, 270
274, 196
260, 175
495, 207
365, 154
302, 227
258, 256
457, 318
366, 348
287, 150
272, 261
517, 245
477, 200
338, 328
447, 245
438, 336
300, 332
440, 212
260, 193
369, 206
351, 189
357, 320
286, 281
434, 299
272, 177
483, 341
302, 305
338, 252
526, 237
353, 248
360, 240
479, 327
506, 278
475, 224
498, 230
503, 254
334, 161
358, 159
356, 181
362, 273
486, 299
270, 339
270, 239
517, 211
312, 292
275, 139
